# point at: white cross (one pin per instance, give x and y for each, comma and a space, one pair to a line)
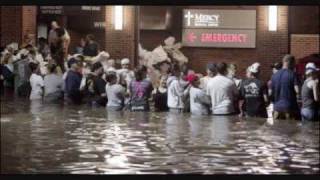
189, 16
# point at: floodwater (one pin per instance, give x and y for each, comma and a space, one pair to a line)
52, 138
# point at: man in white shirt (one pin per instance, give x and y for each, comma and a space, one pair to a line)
223, 92
36, 82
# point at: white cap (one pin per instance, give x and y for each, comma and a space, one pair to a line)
125, 61
311, 67
254, 68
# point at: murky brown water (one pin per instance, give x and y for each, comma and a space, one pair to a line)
37, 138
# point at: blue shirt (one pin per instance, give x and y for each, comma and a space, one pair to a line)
283, 83
72, 85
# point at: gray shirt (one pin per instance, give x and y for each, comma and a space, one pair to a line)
53, 83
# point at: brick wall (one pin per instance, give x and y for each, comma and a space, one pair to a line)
16, 22
270, 47
121, 44
304, 44
11, 23
29, 21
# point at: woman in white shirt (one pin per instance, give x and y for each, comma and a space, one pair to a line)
115, 93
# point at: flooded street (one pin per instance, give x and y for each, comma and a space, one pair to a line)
38, 138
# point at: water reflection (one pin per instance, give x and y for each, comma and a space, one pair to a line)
53, 138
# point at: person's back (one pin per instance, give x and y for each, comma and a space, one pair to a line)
140, 92
252, 91
222, 91
197, 106
307, 96
22, 74
53, 84
72, 86
284, 95
175, 93
36, 82
115, 94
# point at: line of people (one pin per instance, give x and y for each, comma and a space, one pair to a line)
99, 83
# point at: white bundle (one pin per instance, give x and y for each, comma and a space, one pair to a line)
172, 48
102, 56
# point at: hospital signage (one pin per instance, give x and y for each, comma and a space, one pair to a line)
219, 28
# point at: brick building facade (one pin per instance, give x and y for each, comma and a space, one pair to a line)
17, 21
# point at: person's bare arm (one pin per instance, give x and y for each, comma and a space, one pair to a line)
315, 91
296, 89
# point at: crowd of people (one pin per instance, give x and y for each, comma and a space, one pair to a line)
47, 72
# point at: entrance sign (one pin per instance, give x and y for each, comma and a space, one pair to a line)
219, 28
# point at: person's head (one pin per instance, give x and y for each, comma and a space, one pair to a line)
184, 69
163, 81
111, 63
34, 67
253, 70
74, 64
232, 69
97, 68
52, 68
82, 42
194, 80
164, 67
288, 61
311, 70
54, 25
125, 63
175, 70
90, 37
276, 67
211, 69
33, 53
222, 68
111, 78
140, 73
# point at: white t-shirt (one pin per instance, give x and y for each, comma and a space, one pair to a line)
222, 91
196, 97
52, 83
113, 92
36, 82
176, 92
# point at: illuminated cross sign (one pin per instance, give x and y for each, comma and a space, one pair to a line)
200, 19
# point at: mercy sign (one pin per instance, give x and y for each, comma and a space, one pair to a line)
200, 19
219, 28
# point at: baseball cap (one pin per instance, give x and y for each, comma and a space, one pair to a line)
311, 67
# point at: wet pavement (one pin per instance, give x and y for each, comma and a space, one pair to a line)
53, 138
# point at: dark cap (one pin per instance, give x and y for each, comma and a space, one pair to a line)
277, 65
72, 61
